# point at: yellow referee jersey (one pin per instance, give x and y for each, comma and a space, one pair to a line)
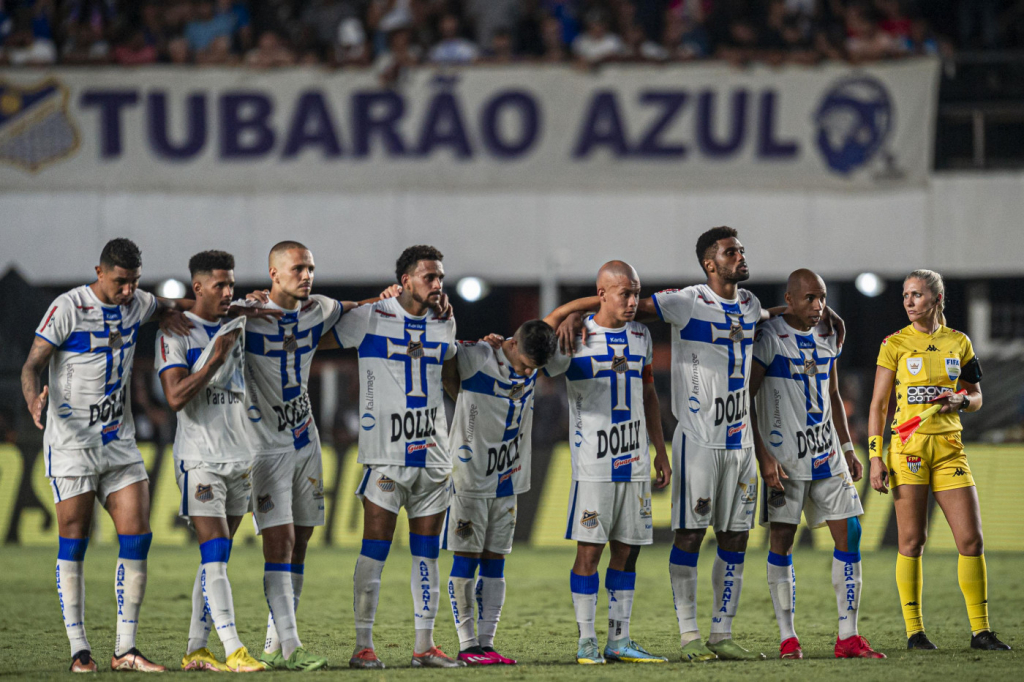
925, 365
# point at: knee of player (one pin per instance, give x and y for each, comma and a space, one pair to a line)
781, 538
689, 540
972, 545
733, 541
913, 545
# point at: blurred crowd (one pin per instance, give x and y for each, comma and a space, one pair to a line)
389, 34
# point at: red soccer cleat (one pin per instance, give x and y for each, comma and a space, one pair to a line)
855, 647
498, 658
790, 649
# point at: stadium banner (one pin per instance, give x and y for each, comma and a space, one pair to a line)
674, 128
27, 510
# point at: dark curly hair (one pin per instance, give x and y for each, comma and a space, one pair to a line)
208, 261
707, 243
537, 341
406, 263
121, 253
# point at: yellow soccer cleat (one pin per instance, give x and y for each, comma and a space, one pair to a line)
202, 659
241, 662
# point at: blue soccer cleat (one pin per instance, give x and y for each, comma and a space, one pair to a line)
627, 651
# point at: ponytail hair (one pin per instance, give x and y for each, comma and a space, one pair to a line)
936, 286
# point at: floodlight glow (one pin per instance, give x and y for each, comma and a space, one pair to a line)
171, 288
870, 284
472, 289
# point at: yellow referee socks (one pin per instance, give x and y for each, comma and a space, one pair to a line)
909, 580
973, 577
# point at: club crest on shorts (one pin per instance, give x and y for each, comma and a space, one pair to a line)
645, 506
914, 365
588, 519
35, 127
463, 528
953, 368
913, 464
264, 503
204, 493
703, 506
777, 499
748, 490
386, 484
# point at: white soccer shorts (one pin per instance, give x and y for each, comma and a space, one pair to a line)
474, 525
218, 489
103, 470
711, 487
289, 488
601, 511
827, 499
423, 491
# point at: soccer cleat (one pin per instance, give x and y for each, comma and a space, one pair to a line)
790, 649
304, 661
202, 659
588, 652
696, 652
987, 640
498, 658
435, 658
134, 660
82, 662
365, 658
274, 660
728, 650
919, 640
241, 662
475, 655
855, 647
627, 651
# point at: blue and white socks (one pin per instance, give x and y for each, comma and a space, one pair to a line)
201, 623
273, 641
782, 587
846, 581
425, 583
277, 586
460, 592
130, 588
621, 587
490, 597
584, 601
682, 570
366, 588
217, 591
71, 590
726, 582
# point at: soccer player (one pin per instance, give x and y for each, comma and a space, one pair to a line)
614, 418
795, 380
202, 378
924, 361
88, 338
403, 444
493, 390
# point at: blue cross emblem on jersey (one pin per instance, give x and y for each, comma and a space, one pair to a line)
812, 371
414, 351
735, 333
618, 365
289, 344
516, 392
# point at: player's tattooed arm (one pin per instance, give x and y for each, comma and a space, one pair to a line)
842, 426
877, 413
567, 321
771, 471
180, 386
652, 416
38, 357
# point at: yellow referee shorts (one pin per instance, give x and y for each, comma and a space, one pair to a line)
937, 460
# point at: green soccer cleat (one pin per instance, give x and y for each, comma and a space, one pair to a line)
696, 652
304, 661
728, 650
627, 651
589, 653
274, 660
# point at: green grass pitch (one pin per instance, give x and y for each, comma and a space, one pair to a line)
537, 627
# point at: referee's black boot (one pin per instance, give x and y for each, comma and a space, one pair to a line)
919, 640
987, 640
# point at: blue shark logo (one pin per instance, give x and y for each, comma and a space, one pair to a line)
35, 128
854, 120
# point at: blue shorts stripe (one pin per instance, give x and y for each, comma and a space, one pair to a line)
572, 510
366, 479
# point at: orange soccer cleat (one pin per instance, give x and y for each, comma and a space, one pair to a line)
134, 660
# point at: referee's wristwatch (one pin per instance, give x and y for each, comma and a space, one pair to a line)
965, 404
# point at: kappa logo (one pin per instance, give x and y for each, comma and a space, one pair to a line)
464, 528
959, 472
36, 129
204, 493
913, 464
931, 349
588, 519
703, 506
777, 499
386, 484
914, 365
264, 504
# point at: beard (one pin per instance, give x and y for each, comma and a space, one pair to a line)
736, 276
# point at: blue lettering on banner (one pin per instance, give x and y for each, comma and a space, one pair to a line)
159, 136
245, 130
529, 119
110, 104
311, 126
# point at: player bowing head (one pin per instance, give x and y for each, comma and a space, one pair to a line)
531, 347
117, 275
291, 271
420, 272
213, 282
